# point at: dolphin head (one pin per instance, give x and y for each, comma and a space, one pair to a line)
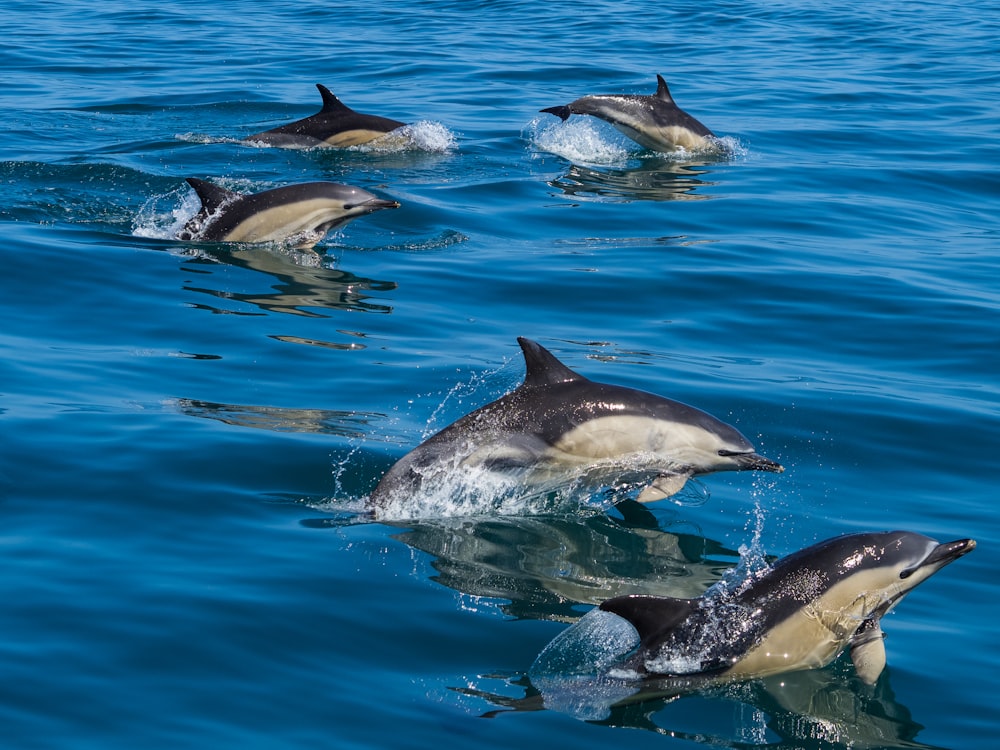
883, 566
346, 203
915, 558
696, 442
861, 576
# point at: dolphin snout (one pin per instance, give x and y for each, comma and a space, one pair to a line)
375, 204
757, 462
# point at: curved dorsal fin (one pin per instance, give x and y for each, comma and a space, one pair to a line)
212, 196
651, 616
662, 92
330, 102
542, 368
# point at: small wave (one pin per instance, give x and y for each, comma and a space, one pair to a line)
446, 238
203, 139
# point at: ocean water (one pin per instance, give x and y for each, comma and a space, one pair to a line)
189, 431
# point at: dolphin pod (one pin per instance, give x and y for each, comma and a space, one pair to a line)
800, 613
559, 422
310, 211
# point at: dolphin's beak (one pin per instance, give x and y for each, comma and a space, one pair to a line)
756, 462
949, 551
375, 204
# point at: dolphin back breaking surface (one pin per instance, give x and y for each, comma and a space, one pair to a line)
559, 432
654, 121
336, 125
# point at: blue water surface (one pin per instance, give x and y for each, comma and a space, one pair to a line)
189, 432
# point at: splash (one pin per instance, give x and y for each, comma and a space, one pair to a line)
595, 643
731, 147
432, 137
468, 491
452, 487
204, 139
163, 216
591, 142
579, 140
578, 673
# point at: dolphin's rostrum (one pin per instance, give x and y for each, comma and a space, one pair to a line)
558, 423
655, 121
335, 125
304, 212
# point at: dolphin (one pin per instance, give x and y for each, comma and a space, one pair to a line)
800, 613
655, 122
304, 212
335, 125
558, 423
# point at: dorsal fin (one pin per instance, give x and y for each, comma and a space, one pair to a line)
542, 368
212, 196
330, 102
651, 616
662, 92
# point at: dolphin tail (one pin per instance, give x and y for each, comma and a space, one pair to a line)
563, 112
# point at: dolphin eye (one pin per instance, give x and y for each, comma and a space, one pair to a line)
724, 452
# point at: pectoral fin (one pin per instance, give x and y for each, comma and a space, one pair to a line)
868, 651
665, 485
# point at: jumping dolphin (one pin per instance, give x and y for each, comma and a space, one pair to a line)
304, 212
335, 125
559, 423
798, 614
655, 122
